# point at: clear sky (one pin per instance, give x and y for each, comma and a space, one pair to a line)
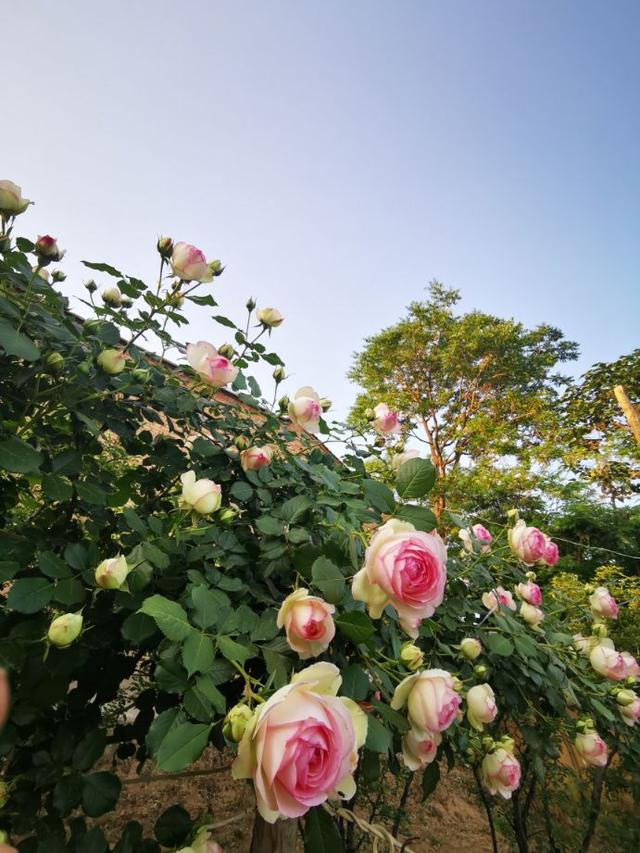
339, 155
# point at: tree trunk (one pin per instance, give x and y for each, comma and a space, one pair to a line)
278, 837
630, 411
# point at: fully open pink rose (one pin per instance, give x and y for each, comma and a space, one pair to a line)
500, 772
498, 597
189, 263
529, 592
305, 409
607, 661
431, 699
212, 367
302, 745
419, 748
603, 604
254, 458
481, 706
406, 568
591, 748
386, 422
308, 623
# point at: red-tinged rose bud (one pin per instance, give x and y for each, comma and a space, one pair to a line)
47, 249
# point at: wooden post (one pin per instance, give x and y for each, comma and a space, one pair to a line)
630, 412
278, 837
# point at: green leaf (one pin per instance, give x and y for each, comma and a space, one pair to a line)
103, 268
182, 745
53, 566
69, 591
17, 343
329, 579
321, 834
89, 749
134, 521
100, 793
28, 595
137, 628
197, 653
295, 508
355, 682
155, 555
169, 616
205, 685
18, 456
208, 605
430, 779
421, 517
355, 625
378, 738
91, 492
241, 491
379, 496
415, 478
277, 666
160, 727
8, 570
173, 826
270, 526
499, 645
233, 651
56, 488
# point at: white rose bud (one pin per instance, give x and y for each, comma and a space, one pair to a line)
470, 648
111, 574
65, 629
11, 201
269, 317
112, 296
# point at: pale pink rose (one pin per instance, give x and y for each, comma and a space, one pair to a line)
498, 597
481, 706
527, 543
607, 661
470, 648
603, 604
308, 623
431, 699
301, 746
591, 748
254, 458
386, 422
631, 712
500, 772
305, 409
189, 263
269, 317
529, 592
631, 667
532, 615
405, 568
212, 367
481, 534
399, 459
419, 748
203, 496
11, 201
551, 553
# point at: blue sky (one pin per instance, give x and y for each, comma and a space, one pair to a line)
337, 156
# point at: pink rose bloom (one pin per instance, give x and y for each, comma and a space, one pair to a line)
386, 422
591, 748
481, 706
189, 263
212, 367
301, 747
607, 661
481, 534
551, 553
254, 458
629, 705
631, 668
529, 592
500, 772
603, 604
308, 623
532, 615
405, 568
431, 700
305, 409
419, 748
527, 543
498, 597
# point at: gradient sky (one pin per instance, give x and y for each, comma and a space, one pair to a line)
339, 155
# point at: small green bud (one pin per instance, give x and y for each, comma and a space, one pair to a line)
141, 374
279, 374
411, 656
226, 350
226, 515
236, 722
54, 362
65, 629
251, 304
84, 368
480, 672
112, 361
91, 286
325, 404
283, 403
58, 276
625, 697
165, 247
216, 267
379, 442
242, 442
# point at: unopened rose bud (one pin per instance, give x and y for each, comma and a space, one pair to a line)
279, 374
585, 725
625, 697
91, 285
112, 296
251, 304
600, 630
369, 414
93, 326
488, 743
470, 648
58, 276
216, 267
480, 671
379, 442
531, 576
508, 743
226, 515
11, 201
140, 374
54, 362
65, 629
325, 404
112, 361
283, 403
513, 513
411, 656
629, 681
42, 273
236, 722
226, 350
242, 442
111, 574
269, 317
399, 447
47, 249
165, 246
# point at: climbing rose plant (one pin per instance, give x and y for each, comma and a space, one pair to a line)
175, 545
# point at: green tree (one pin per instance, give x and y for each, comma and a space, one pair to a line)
473, 387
